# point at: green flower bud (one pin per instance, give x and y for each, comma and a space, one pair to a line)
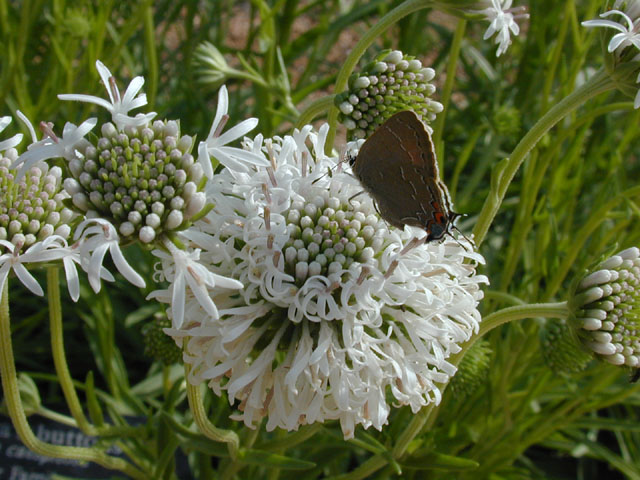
29, 395
159, 345
506, 121
473, 370
562, 350
211, 66
393, 82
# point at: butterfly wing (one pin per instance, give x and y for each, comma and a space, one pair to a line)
403, 139
397, 165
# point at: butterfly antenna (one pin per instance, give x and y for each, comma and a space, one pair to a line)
336, 168
455, 216
458, 241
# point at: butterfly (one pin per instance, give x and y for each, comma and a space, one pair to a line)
397, 166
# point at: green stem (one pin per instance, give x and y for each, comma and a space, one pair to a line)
559, 49
242, 75
509, 314
58, 352
365, 470
314, 109
365, 42
19, 419
208, 429
502, 297
57, 417
599, 83
454, 55
151, 54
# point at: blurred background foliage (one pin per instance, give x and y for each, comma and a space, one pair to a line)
571, 202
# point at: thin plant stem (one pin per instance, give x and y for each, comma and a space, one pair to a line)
151, 54
452, 65
59, 358
559, 49
314, 109
19, 418
292, 439
208, 429
597, 84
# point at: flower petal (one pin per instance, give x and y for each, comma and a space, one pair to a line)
134, 87
177, 301
27, 279
71, 274
105, 75
237, 131
87, 99
222, 108
123, 266
205, 160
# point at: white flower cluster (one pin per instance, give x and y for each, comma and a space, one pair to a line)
502, 22
325, 312
606, 304
38, 226
628, 28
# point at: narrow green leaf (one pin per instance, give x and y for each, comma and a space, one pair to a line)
439, 461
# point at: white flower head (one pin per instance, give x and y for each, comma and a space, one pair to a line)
119, 106
216, 143
629, 29
337, 312
53, 147
502, 22
628, 36
34, 222
143, 180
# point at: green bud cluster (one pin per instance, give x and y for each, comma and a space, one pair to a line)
32, 208
562, 350
143, 179
393, 82
159, 345
325, 239
473, 370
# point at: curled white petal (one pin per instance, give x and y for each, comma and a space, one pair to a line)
97, 236
65, 147
119, 107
